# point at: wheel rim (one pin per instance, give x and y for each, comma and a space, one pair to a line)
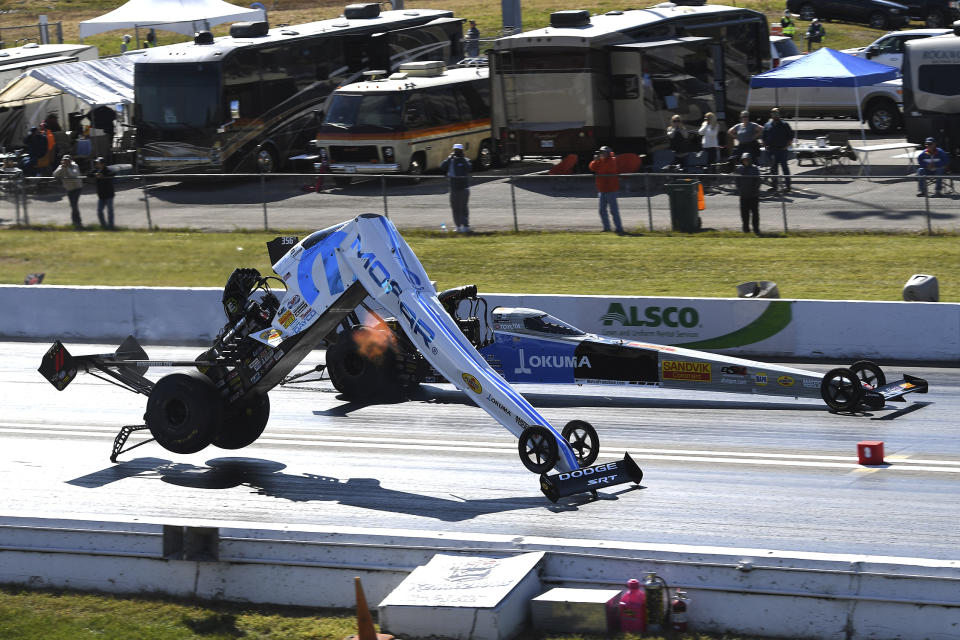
841, 389
882, 120
869, 373
485, 160
538, 449
176, 412
265, 160
583, 440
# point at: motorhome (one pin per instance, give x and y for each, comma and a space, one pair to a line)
931, 92
16, 121
617, 78
407, 122
247, 101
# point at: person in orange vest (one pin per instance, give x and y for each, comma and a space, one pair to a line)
604, 164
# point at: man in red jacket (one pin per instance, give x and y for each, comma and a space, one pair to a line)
608, 184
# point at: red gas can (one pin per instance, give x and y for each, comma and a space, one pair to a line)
633, 612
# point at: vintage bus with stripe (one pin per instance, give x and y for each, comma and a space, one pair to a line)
407, 122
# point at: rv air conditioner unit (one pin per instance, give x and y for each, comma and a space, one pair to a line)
358, 11
570, 18
249, 29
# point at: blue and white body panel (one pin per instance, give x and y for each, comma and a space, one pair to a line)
368, 250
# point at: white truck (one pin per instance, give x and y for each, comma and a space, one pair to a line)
881, 104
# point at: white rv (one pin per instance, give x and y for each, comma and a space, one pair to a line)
617, 78
407, 122
931, 92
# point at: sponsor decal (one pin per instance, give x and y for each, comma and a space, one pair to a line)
651, 316
310, 315
785, 381
734, 370
550, 362
520, 421
472, 382
286, 319
729, 380
593, 474
381, 277
270, 337
293, 301
810, 384
492, 400
760, 379
681, 370
232, 305
286, 276
300, 309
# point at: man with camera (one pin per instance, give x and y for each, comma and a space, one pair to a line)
604, 164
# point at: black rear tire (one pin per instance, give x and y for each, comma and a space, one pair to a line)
841, 389
184, 412
363, 364
243, 422
878, 20
883, 117
538, 449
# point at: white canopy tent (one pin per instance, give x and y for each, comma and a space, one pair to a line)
108, 81
181, 16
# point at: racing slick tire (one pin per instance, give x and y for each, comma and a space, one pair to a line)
538, 449
869, 372
364, 363
243, 422
841, 389
583, 440
184, 412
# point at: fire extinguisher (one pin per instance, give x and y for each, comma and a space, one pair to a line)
678, 611
655, 590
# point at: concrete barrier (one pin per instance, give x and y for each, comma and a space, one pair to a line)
760, 328
746, 591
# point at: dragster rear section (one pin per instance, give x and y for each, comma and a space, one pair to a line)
369, 250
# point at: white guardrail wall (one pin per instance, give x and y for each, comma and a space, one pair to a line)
743, 591
770, 328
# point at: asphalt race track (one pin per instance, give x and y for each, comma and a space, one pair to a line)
720, 470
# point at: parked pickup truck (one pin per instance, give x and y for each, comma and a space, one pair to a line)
881, 103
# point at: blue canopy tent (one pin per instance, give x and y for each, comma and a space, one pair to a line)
827, 68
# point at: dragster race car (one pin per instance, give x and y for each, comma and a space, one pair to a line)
531, 346
222, 399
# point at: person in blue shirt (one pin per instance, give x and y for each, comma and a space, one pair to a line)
932, 161
457, 168
777, 138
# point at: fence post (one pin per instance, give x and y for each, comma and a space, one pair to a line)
926, 202
17, 190
513, 202
646, 189
26, 213
146, 201
383, 193
263, 197
783, 207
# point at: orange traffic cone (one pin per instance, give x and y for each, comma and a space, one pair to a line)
365, 630
701, 205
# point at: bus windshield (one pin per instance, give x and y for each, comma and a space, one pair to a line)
171, 96
369, 111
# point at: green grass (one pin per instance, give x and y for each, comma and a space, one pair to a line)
811, 266
57, 615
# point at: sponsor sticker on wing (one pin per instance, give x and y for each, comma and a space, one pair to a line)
690, 371
270, 337
785, 381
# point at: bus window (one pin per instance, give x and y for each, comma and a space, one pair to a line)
415, 113
343, 110
179, 95
938, 79
473, 98
241, 84
277, 82
441, 107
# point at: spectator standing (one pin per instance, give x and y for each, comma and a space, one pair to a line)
457, 168
777, 138
747, 136
35, 144
748, 188
787, 26
125, 43
710, 135
815, 34
472, 41
604, 164
72, 180
105, 192
932, 161
151, 40
682, 140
